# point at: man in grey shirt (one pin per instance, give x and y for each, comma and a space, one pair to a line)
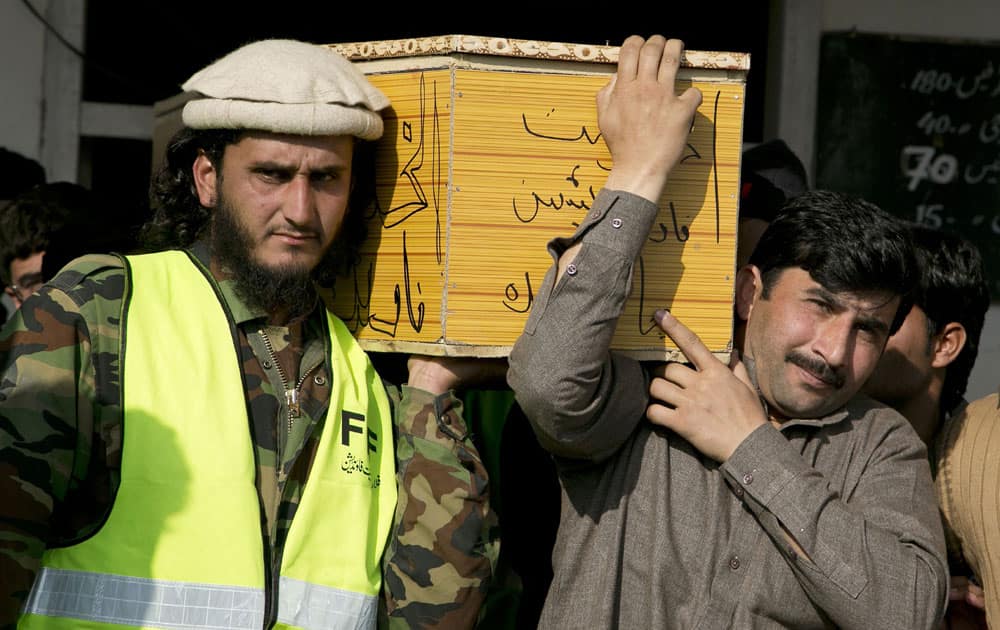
767, 493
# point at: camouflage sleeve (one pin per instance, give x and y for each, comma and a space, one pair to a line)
443, 549
46, 432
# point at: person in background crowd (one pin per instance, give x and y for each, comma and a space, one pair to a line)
967, 458
106, 229
765, 493
19, 173
27, 227
925, 368
268, 477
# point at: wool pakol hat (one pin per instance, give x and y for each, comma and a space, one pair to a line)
285, 86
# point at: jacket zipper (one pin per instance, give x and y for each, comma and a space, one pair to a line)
294, 411
291, 395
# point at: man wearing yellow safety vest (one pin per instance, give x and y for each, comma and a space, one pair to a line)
190, 439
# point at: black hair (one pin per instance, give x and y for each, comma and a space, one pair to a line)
20, 173
845, 243
952, 288
29, 222
179, 219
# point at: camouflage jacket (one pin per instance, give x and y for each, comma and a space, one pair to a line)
60, 447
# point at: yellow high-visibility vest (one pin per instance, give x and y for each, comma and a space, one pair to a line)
182, 546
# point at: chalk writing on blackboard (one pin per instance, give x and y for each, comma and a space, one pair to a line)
914, 126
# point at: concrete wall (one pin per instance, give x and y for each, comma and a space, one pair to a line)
41, 80
22, 43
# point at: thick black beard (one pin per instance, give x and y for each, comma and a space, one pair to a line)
259, 286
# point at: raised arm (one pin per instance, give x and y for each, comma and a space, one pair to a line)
561, 370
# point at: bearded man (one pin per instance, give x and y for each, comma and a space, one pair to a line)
189, 438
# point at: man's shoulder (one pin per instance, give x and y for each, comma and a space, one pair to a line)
862, 405
93, 286
878, 421
976, 421
863, 425
982, 409
86, 269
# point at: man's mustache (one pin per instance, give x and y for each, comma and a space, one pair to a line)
817, 367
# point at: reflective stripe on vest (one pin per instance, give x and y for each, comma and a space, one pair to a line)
121, 600
183, 537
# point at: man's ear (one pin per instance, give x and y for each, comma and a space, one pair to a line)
948, 344
205, 180
748, 288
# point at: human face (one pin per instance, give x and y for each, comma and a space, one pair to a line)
26, 277
906, 368
289, 194
812, 348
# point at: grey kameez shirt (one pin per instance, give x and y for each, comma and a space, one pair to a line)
655, 535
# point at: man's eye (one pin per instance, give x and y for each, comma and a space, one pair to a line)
324, 178
821, 305
272, 175
871, 336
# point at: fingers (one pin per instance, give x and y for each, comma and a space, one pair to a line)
662, 415
667, 389
654, 57
651, 57
976, 597
670, 60
628, 58
687, 342
665, 397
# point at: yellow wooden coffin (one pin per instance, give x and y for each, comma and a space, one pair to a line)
491, 148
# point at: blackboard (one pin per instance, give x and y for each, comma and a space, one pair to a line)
914, 126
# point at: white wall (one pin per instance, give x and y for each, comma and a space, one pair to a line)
956, 19
41, 81
985, 377
22, 41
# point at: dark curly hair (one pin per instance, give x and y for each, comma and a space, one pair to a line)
179, 219
29, 222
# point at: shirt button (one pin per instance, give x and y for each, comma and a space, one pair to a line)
267, 365
571, 269
595, 214
739, 492
748, 479
734, 563
319, 379
616, 223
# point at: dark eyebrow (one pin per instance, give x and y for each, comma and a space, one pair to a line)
30, 278
869, 321
270, 165
825, 295
873, 323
